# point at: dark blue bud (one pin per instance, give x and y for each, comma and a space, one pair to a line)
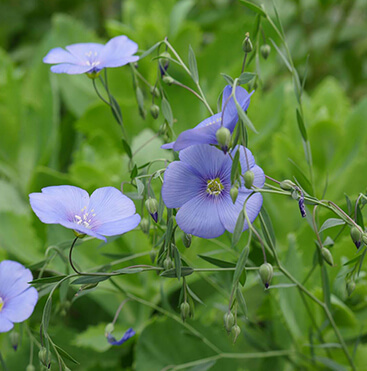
302, 208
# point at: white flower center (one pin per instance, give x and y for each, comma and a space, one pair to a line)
219, 119
214, 186
1, 303
92, 56
85, 218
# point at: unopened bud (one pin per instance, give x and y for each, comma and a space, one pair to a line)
155, 91
326, 254
14, 339
185, 310
247, 44
302, 207
287, 185
164, 62
186, 239
266, 273
364, 238
236, 330
44, 357
152, 206
109, 328
144, 225
249, 177
356, 235
152, 255
168, 80
167, 263
265, 51
30, 368
351, 285
234, 193
223, 137
154, 111
228, 321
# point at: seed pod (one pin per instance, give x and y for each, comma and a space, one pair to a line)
109, 328
154, 111
155, 91
168, 80
167, 263
144, 225
287, 185
223, 137
234, 193
326, 254
185, 310
152, 255
356, 235
266, 273
186, 239
247, 44
44, 357
236, 330
351, 285
14, 339
265, 51
228, 321
249, 177
30, 368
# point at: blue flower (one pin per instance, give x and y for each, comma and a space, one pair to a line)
17, 297
199, 184
92, 57
204, 133
107, 212
128, 334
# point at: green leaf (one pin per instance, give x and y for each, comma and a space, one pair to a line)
301, 125
285, 60
167, 111
228, 79
140, 186
66, 355
236, 167
46, 314
193, 65
238, 228
267, 227
150, 50
40, 281
126, 148
177, 260
203, 366
253, 7
134, 172
194, 296
332, 222
171, 273
241, 301
240, 266
242, 115
245, 78
217, 262
330, 364
128, 270
89, 279
360, 217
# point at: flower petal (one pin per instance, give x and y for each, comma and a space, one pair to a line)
14, 278
229, 212
199, 217
85, 52
128, 334
118, 227
109, 204
70, 69
5, 324
168, 145
245, 158
215, 119
59, 55
207, 160
181, 184
82, 229
20, 307
58, 203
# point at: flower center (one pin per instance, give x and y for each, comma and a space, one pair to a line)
85, 218
1, 303
92, 56
214, 186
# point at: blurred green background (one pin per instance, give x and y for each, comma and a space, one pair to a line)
54, 130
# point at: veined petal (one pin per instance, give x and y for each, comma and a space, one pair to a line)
229, 212
70, 69
247, 159
20, 307
181, 184
128, 334
199, 217
215, 119
59, 55
118, 227
85, 52
5, 324
14, 278
58, 203
109, 204
207, 160
82, 229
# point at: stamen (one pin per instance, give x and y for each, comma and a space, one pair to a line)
1, 303
214, 187
85, 219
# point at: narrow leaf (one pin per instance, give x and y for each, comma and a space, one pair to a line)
228, 79
285, 60
241, 301
171, 273
46, 314
240, 266
301, 125
244, 117
193, 65
245, 78
89, 279
253, 7
150, 50
217, 262
140, 186
332, 222
66, 355
167, 111
177, 259
238, 228
40, 281
127, 148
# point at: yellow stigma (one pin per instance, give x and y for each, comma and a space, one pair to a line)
1, 304
214, 186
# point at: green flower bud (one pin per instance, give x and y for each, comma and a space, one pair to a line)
351, 285
14, 339
326, 254
356, 235
44, 357
234, 193
154, 111
235, 332
30, 368
364, 238
168, 80
144, 225
249, 177
167, 263
109, 328
247, 44
228, 321
265, 51
152, 255
223, 137
266, 273
287, 185
155, 91
152, 206
185, 310
165, 59
186, 239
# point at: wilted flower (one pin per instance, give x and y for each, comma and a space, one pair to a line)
205, 132
107, 212
128, 334
200, 186
92, 57
17, 297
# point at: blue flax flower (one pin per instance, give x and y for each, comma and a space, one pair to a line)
92, 57
107, 212
128, 334
199, 185
17, 297
204, 133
